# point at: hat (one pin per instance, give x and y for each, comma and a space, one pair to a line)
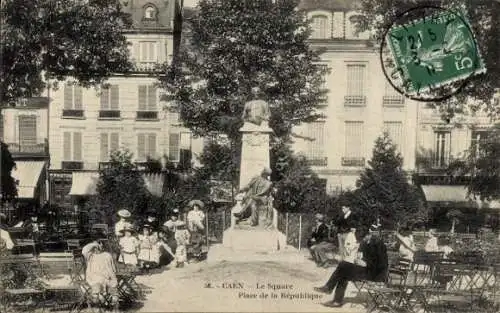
127, 228
239, 197
192, 203
151, 219
374, 227
175, 211
319, 216
266, 170
147, 226
433, 231
124, 213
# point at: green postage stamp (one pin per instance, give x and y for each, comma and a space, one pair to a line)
434, 51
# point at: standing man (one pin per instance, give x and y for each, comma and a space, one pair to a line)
344, 226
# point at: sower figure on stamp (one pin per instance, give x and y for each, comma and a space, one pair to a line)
256, 195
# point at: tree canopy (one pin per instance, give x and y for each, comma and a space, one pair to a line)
232, 46
483, 17
54, 39
382, 190
9, 186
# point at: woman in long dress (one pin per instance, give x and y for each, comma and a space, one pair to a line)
196, 226
149, 252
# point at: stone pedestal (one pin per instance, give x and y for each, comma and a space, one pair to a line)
254, 151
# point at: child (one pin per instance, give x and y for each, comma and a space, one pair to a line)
128, 247
182, 237
149, 252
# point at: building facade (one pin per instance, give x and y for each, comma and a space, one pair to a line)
87, 125
360, 104
24, 128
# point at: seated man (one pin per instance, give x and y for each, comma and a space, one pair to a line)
100, 273
318, 244
371, 264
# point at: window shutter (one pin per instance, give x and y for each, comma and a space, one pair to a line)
152, 98
142, 97
115, 94
67, 146
114, 141
105, 99
27, 130
152, 145
141, 147
78, 98
68, 96
144, 51
137, 52
173, 147
104, 147
77, 146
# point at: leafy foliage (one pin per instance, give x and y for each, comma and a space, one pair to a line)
235, 45
482, 163
383, 190
9, 188
121, 186
219, 162
53, 39
483, 17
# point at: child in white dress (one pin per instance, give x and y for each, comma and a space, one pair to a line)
182, 237
149, 252
128, 246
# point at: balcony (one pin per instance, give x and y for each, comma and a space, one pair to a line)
354, 100
393, 101
69, 113
317, 161
353, 161
147, 115
109, 114
29, 149
146, 67
72, 165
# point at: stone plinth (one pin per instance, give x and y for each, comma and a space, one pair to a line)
254, 151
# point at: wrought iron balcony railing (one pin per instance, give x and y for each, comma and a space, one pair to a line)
111, 114
40, 148
353, 161
147, 115
395, 100
354, 100
72, 113
72, 165
317, 161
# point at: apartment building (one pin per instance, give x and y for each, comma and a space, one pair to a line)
24, 129
86, 125
360, 104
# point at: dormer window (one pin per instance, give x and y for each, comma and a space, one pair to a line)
150, 13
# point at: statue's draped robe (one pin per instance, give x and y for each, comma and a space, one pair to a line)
257, 192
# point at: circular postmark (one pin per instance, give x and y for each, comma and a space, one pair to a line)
429, 53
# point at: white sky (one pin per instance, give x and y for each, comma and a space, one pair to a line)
190, 3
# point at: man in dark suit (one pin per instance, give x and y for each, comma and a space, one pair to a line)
344, 225
318, 244
372, 264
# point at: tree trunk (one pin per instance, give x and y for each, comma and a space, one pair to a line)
453, 223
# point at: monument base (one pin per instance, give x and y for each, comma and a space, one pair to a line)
256, 239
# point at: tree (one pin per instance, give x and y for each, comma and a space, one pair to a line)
483, 17
235, 45
44, 40
121, 186
383, 190
8, 187
481, 163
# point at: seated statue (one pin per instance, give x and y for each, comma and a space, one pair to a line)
256, 195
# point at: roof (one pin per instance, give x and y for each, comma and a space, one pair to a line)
328, 5
136, 9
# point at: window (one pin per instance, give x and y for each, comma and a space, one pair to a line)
72, 146
315, 152
174, 147
148, 51
110, 103
355, 84
185, 155
174, 118
73, 95
147, 98
442, 148
323, 86
150, 13
319, 26
109, 142
146, 146
478, 138
27, 131
395, 131
392, 97
353, 150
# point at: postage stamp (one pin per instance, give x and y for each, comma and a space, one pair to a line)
434, 51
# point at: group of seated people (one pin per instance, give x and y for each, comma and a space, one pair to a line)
160, 245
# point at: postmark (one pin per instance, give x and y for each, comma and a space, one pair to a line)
431, 57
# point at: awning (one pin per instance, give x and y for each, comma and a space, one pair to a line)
154, 183
27, 174
455, 195
84, 184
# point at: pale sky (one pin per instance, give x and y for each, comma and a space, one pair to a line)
190, 3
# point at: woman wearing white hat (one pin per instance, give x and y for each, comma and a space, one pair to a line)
196, 226
123, 222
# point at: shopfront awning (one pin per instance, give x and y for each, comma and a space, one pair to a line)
154, 183
84, 184
27, 175
455, 196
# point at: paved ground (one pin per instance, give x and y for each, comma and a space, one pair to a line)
283, 282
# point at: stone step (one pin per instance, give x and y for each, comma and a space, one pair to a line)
219, 253
253, 239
